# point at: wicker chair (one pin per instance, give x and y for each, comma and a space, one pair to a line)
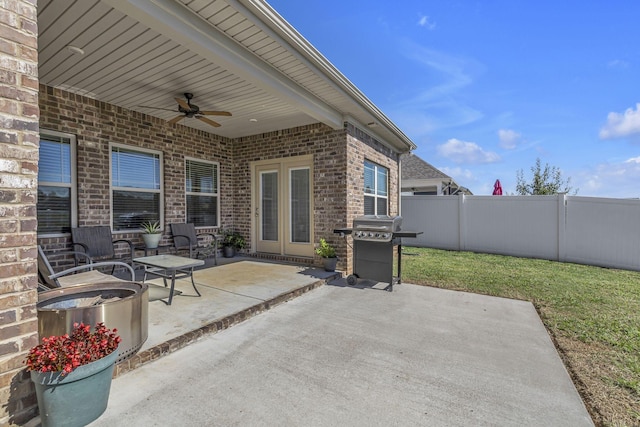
49, 279
186, 238
97, 242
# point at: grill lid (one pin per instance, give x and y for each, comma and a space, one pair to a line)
376, 227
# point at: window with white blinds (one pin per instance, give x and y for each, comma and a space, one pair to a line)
202, 190
56, 183
136, 187
375, 189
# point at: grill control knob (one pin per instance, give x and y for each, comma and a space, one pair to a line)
385, 236
377, 235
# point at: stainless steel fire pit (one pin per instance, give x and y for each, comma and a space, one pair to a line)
120, 305
374, 239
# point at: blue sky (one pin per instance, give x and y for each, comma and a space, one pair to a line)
486, 87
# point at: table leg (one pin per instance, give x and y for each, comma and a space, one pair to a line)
400, 262
173, 285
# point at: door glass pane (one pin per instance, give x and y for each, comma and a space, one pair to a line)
269, 201
300, 227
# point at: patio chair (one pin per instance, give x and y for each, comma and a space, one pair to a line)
49, 279
97, 242
186, 238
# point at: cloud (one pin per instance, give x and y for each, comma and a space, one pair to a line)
622, 125
509, 139
435, 96
617, 179
458, 174
425, 22
618, 64
466, 152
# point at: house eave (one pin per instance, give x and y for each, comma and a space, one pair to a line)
263, 14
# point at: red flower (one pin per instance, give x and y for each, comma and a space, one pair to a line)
65, 353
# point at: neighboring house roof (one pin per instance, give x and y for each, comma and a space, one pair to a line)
418, 175
413, 167
233, 55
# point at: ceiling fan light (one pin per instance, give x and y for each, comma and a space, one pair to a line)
75, 50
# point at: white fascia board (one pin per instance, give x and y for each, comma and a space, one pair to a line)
312, 58
177, 22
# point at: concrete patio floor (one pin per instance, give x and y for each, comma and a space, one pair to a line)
234, 286
358, 356
231, 292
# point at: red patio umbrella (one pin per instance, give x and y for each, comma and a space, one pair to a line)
497, 188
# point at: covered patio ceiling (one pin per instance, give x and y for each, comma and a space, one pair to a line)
233, 55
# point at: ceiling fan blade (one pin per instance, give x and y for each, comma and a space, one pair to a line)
176, 119
208, 121
183, 104
156, 108
215, 113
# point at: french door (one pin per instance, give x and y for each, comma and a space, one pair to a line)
283, 206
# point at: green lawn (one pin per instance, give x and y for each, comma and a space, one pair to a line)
593, 314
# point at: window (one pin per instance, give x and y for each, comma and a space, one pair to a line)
375, 189
136, 187
202, 193
56, 183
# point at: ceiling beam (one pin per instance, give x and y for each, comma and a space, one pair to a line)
177, 22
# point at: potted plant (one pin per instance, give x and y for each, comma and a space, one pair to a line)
328, 254
72, 374
231, 243
151, 234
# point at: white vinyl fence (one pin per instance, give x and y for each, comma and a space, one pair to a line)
585, 230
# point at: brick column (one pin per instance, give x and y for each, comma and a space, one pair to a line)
18, 190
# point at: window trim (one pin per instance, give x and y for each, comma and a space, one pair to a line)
196, 193
73, 185
142, 190
375, 195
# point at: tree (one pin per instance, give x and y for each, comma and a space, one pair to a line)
545, 181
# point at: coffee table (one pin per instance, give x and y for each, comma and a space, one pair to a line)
169, 267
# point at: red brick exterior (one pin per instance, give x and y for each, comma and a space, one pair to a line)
18, 185
338, 182
338, 164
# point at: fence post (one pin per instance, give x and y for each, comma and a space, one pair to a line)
562, 221
462, 224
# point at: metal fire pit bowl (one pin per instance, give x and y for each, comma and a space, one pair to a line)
120, 305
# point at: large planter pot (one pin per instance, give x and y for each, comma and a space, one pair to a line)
330, 263
228, 251
151, 241
77, 398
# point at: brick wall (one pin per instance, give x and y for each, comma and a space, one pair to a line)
364, 147
338, 165
18, 184
95, 124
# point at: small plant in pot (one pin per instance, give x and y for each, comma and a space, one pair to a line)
328, 254
151, 234
231, 243
72, 374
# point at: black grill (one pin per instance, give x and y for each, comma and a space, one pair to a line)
374, 238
